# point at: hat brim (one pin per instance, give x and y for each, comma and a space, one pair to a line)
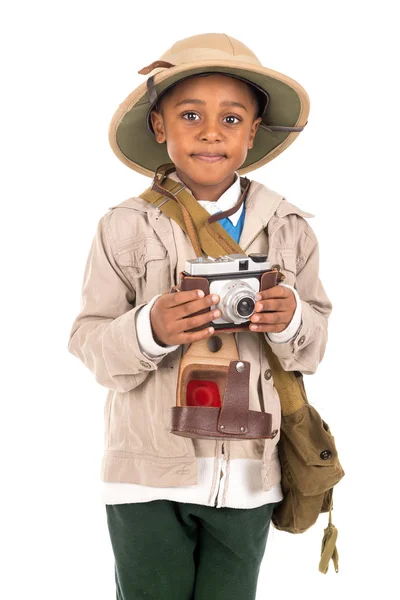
137, 147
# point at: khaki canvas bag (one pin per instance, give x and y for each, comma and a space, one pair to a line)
307, 451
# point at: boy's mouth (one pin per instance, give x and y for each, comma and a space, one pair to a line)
209, 156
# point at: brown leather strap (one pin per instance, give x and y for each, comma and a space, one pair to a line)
233, 417
280, 127
202, 422
151, 88
162, 172
155, 65
231, 211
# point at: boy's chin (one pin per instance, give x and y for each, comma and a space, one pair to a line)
208, 174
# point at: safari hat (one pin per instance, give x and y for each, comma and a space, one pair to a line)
284, 116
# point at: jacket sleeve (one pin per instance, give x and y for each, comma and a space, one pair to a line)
286, 335
306, 349
103, 335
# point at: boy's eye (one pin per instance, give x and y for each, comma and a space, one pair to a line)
191, 114
232, 117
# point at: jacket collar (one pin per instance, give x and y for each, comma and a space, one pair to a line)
228, 199
263, 206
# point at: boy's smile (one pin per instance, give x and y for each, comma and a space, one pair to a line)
208, 124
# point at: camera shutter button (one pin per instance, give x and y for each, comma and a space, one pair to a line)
257, 257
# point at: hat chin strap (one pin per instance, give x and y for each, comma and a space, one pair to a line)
151, 88
281, 127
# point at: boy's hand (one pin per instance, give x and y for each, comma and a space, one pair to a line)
279, 299
170, 317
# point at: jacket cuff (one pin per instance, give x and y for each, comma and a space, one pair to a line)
304, 334
144, 333
292, 328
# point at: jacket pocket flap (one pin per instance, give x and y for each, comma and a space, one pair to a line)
289, 262
309, 452
141, 253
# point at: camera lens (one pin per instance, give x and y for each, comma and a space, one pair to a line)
245, 307
238, 301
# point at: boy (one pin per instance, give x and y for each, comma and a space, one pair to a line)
189, 517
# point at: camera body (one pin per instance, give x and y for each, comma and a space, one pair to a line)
236, 278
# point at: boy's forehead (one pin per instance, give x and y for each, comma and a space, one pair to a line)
214, 81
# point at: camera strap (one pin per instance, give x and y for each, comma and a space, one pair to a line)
207, 235
234, 420
176, 202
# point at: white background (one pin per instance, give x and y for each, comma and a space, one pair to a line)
65, 68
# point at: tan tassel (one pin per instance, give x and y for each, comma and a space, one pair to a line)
328, 549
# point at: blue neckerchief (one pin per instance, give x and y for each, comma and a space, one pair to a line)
234, 230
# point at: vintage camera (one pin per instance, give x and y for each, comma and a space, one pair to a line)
236, 278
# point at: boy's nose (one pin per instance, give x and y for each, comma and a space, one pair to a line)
211, 131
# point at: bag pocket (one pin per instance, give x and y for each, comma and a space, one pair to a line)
309, 452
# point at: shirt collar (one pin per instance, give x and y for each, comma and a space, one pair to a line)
228, 199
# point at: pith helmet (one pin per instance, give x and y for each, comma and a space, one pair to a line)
285, 111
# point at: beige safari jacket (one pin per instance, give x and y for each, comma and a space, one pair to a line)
137, 253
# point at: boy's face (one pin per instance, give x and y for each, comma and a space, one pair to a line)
208, 124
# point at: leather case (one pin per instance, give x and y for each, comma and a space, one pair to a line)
233, 420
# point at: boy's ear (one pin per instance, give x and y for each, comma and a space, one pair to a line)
253, 131
157, 122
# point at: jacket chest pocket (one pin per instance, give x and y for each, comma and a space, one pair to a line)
147, 267
287, 258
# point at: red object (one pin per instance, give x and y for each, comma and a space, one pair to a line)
202, 393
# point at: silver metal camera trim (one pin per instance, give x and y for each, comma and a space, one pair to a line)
223, 265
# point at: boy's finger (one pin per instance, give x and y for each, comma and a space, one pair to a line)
270, 318
277, 291
189, 338
190, 308
267, 327
271, 305
198, 320
178, 298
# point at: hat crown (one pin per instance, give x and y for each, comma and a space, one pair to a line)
209, 46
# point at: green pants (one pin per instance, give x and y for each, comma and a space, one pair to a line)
167, 550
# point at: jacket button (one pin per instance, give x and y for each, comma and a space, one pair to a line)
325, 454
145, 364
268, 374
302, 340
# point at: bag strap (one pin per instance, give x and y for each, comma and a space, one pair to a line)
288, 384
205, 233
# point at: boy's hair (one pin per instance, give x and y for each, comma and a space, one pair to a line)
259, 98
